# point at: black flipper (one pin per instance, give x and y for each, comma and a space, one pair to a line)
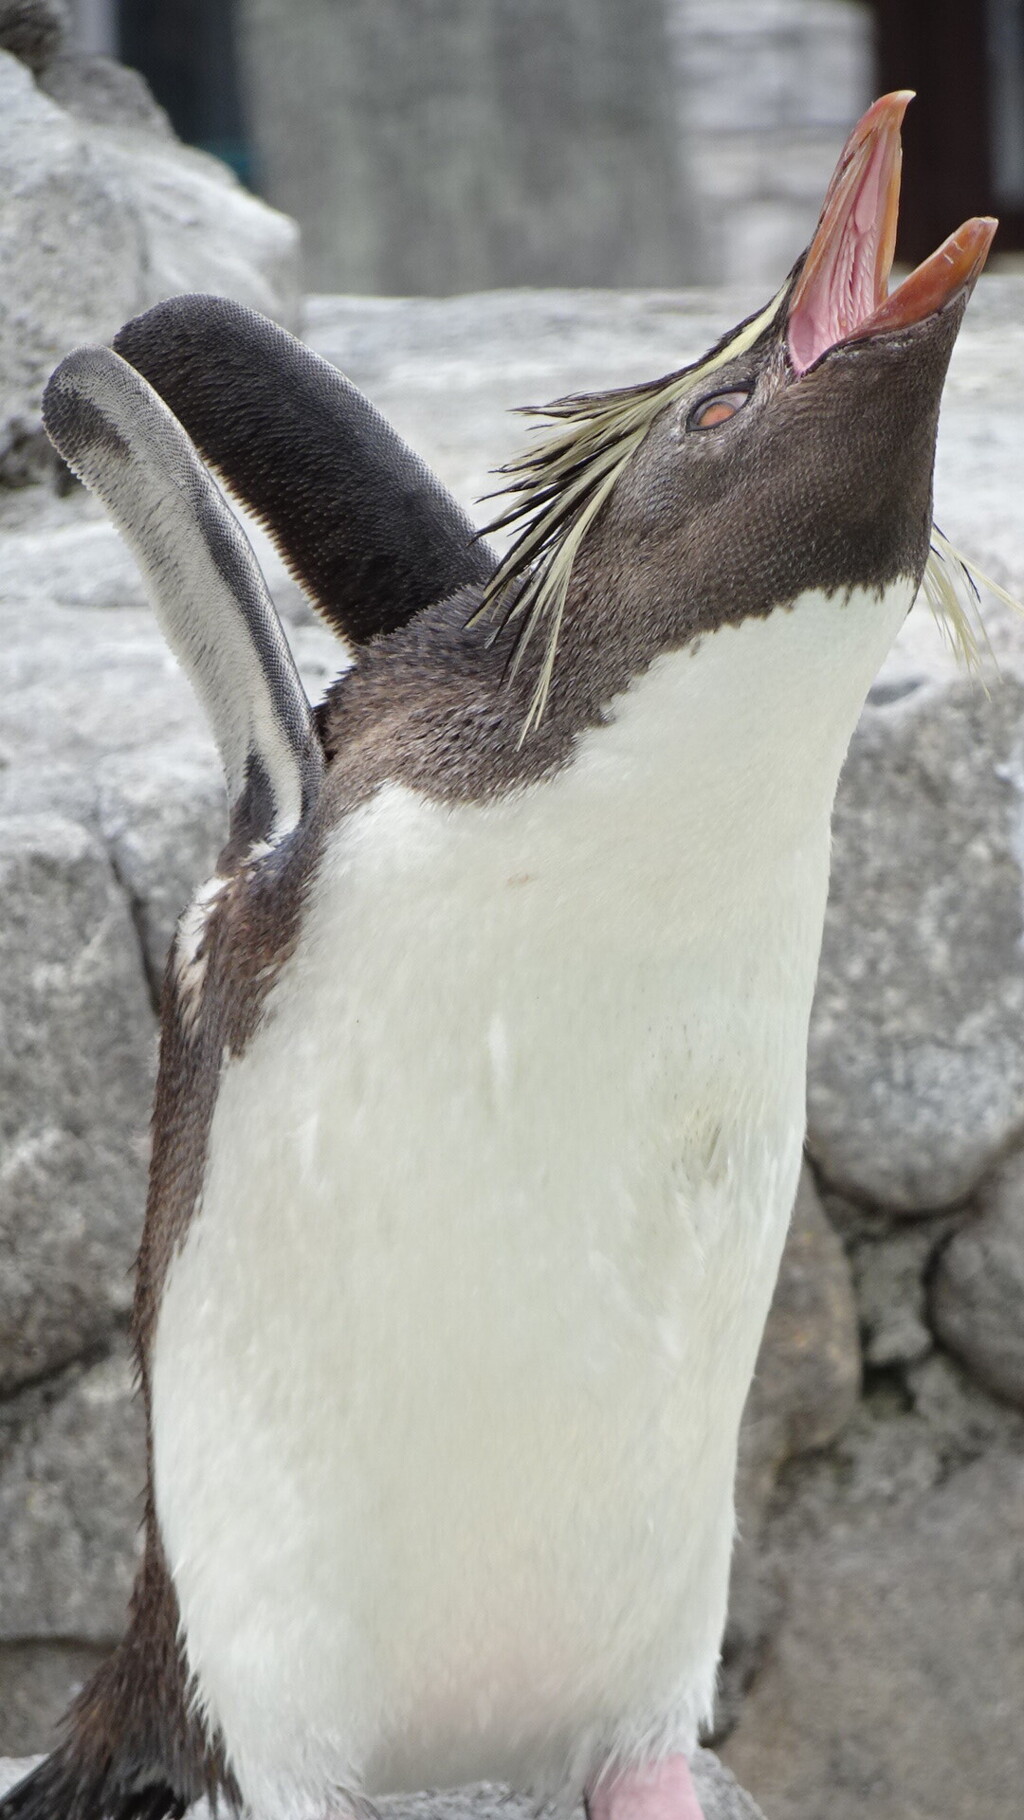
204, 581
362, 523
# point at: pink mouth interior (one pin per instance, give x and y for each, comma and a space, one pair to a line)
852, 278
842, 290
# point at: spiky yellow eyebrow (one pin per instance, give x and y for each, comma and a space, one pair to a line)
562, 485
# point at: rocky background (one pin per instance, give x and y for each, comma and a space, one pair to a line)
875, 1656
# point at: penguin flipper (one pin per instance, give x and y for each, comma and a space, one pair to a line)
363, 524
210, 597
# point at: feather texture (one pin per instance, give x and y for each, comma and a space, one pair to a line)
204, 581
560, 487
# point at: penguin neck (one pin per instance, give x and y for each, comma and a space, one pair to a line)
691, 819
730, 748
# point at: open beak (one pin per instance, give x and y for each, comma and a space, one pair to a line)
842, 293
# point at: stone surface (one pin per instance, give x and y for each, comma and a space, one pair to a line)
38, 1681
977, 1299
98, 219
76, 686
804, 1393
71, 250
64, 549
164, 823
33, 30
895, 1685
720, 1796
916, 1065
889, 1275
85, 564
71, 1480
76, 1071
962, 1421
808, 1371
104, 93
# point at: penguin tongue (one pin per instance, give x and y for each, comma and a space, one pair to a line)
842, 290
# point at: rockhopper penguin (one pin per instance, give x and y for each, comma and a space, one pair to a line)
481, 1091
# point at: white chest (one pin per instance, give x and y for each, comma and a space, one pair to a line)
448, 1374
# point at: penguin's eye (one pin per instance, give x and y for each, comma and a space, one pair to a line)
718, 409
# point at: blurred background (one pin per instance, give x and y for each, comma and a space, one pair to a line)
437, 146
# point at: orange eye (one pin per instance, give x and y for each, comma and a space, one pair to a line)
717, 410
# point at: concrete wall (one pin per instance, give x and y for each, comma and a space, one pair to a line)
456, 145
453, 145
767, 90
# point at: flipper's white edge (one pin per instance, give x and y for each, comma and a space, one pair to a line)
116, 433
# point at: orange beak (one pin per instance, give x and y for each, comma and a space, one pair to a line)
842, 291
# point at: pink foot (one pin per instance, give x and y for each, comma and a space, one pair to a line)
665, 1791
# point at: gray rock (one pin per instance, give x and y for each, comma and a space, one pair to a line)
981, 449
71, 1480
162, 811
38, 1681
912, 1430
889, 1276
96, 717
104, 93
33, 30
720, 1795
895, 1684
72, 253
803, 1394
164, 823
96, 723
203, 230
97, 221
977, 1300
916, 1066
76, 686
808, 1369
76, 1071
963, 1422
80, 563
733, 109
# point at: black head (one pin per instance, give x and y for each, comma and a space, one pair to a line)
797, 454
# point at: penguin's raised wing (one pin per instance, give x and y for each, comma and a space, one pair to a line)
361, 521
204, 581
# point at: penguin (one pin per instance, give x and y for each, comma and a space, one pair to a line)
481, 1093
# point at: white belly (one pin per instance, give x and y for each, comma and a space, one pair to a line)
448, 1374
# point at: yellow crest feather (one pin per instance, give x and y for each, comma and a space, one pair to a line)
561, 486
952, 587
